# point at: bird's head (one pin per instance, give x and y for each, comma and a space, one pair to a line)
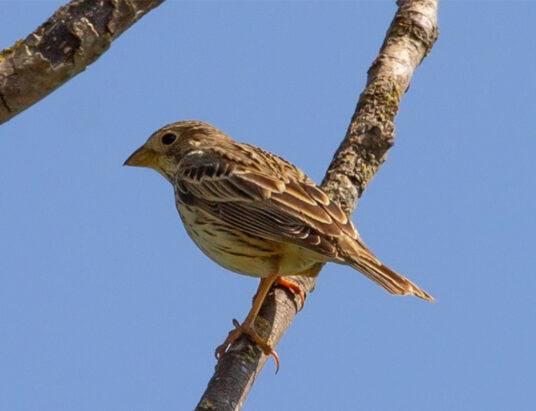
164, 150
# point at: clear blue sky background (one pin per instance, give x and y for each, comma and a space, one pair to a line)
105, 304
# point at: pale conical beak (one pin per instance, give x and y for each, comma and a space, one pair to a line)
142, 157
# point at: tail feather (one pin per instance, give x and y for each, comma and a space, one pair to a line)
364, 261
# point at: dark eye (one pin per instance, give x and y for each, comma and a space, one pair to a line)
168, 138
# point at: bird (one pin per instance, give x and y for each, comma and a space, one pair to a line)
256, 214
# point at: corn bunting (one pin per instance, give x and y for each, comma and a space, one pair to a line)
256, 214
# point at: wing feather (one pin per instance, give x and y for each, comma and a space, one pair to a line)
267, 197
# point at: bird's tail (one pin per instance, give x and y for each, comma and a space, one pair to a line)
364, 261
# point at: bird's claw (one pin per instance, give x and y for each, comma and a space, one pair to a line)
239, 330
295, 288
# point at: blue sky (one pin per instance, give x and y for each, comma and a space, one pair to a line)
105, 304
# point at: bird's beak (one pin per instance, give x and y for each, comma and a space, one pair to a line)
142, 157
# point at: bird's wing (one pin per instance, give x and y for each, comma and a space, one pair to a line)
263, 195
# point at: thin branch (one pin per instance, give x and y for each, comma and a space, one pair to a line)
74, 37
370, 134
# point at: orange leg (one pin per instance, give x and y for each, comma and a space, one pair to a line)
294, 288
247, 327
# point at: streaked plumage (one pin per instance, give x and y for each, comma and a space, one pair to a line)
255, 213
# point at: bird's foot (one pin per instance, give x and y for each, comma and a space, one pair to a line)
239, 330
295, 288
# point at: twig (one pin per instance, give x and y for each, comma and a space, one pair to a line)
370, 135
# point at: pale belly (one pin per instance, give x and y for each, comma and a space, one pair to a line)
241, 252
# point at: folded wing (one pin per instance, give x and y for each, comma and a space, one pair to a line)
263, 195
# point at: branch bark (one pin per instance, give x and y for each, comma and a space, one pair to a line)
73, 38
370, 134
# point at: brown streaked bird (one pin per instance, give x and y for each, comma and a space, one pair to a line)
256, 214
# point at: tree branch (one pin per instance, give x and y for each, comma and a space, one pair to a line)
74, 37
370, 135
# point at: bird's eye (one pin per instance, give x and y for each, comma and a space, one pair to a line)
168, 138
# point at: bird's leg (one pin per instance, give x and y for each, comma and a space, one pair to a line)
247, 327
295, 288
